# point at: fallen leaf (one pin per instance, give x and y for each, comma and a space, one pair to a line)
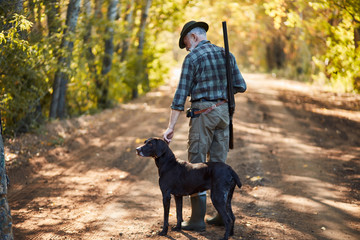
257, 178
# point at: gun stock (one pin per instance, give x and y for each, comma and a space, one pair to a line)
230, 93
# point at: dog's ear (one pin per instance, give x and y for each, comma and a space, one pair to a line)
161, 147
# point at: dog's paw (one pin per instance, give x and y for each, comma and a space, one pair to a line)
163, 232
177, 228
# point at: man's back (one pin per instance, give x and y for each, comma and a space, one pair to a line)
209, 73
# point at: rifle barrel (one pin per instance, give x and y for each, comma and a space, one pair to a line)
230, 93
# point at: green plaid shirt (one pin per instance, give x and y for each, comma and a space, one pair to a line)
203, 75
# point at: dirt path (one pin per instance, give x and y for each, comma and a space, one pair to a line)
297, 151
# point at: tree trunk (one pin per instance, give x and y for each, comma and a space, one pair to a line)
19, 7
31, 6
37, 22
108, 56
357, 37
52, 13
141, 73
275, 55
6, 231
90, 57
357, 51
144, 15
57, 108
129, 25
98, 15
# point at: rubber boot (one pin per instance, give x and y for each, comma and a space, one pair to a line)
198, 210
217, 220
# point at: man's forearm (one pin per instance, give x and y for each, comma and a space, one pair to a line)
169, 133
173, 118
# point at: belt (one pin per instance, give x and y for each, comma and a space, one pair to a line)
206, 100
209, 109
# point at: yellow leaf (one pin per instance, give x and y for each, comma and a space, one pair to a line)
257, 178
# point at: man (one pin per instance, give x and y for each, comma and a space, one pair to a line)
203, 78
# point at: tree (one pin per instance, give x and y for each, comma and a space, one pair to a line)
5, 216
89, 55
19, 6
57, 108
141, 75
20, 70
49, 68
103, 101
129, 14
45, 65
338, 62
52, 13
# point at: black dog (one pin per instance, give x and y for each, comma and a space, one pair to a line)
183, 178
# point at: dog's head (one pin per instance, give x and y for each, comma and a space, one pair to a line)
153, 147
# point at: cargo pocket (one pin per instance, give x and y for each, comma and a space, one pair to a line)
222, 140
194, 143
219, 147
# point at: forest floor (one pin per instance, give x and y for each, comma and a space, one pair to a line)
297, 152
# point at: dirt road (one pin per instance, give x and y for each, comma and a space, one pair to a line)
297, 152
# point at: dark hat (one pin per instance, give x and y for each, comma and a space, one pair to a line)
188, 27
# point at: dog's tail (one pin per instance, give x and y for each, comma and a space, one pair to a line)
236, 178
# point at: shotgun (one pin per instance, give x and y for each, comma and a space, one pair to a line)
230, 93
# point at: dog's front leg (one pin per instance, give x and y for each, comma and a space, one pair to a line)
166, 204
179, 203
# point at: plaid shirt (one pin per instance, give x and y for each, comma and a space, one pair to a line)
203, 75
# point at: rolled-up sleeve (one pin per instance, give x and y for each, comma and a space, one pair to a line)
184, 87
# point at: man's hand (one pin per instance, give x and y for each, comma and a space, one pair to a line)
168, 135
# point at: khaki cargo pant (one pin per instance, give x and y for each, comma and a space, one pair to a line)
209, 134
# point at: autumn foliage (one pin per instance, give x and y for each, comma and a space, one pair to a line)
65, 58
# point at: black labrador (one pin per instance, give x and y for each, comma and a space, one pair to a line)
182, 178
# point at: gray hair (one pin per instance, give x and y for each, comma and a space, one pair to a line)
198, 31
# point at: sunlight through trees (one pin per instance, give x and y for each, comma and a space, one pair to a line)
55, 62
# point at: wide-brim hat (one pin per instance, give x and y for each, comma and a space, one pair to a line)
188, 27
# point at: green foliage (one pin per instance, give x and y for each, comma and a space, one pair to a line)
248, 28
339, 64
29, 53
23, 81
320, 40
296, 39
304, 40
135, 72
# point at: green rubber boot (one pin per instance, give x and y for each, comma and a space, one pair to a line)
198, 210
217, 220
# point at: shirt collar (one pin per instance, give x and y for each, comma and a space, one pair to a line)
202, 43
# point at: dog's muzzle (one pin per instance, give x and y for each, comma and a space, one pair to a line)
139, 152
